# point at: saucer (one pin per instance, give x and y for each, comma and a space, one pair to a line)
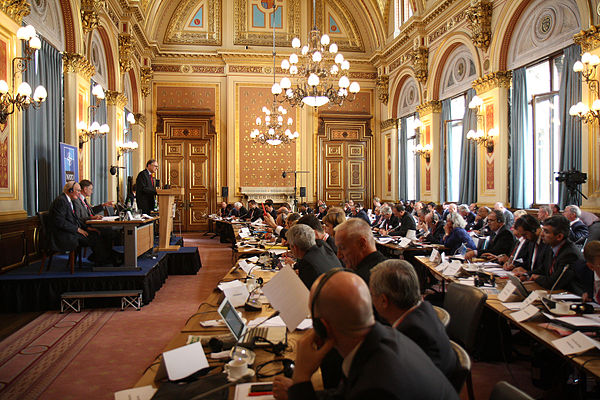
248, 374
556, 312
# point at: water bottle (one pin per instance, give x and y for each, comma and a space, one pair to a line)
462, 250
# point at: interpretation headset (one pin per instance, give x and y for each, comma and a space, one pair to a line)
70, 190
318, 325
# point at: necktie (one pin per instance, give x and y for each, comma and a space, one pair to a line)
152, 180
88, 206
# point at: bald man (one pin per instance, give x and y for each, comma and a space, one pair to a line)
378, 361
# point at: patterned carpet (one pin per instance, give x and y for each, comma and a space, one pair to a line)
34, 356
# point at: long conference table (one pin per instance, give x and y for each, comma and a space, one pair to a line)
589, 361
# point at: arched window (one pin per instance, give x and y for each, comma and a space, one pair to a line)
408, 168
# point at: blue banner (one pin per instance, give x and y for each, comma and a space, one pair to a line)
69, 163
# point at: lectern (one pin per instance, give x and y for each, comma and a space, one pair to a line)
166, 197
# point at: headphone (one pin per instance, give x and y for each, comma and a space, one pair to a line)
318, 325
70, 190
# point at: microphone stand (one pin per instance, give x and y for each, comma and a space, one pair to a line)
295, 184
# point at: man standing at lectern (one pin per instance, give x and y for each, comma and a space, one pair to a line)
146, 187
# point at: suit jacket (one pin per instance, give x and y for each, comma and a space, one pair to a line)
436, 236
456, 238
406, 222
317, 260
549, 268
145, 191
594, 230
423, 326
273, 213
239, 213
320, 215
253, 214
63, 225
585, 276
331, 242
84, 211
476, 225
502, 242
390, 366
509, 219
390, 223
363, 269
362, 215
579, 232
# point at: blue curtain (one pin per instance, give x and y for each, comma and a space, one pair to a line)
570, 127
446, 115
418, 166
402, 148
468, 157
521, 143
98, 156
43, 130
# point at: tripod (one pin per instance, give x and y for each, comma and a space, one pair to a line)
284, 174
572, 192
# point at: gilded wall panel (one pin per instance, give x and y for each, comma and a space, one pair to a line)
255, 20
361, 105
195, 22
185, 97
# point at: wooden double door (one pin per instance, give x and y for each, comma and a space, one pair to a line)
345, 161
187, 161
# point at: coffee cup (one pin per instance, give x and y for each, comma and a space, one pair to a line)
236, 368
563, 308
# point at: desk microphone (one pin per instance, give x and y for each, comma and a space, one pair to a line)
556, 282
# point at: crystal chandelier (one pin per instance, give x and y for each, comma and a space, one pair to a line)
320, 73
94, 130
274, 131
21, 99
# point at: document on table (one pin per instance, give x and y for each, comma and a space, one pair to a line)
385, 240
111, 218
277, 252
509, 289
453, 268
184, 361
288, 295
139, 393
435, 255
575, 343
235, 291
513, 306
404, 242
442, 267
525, 313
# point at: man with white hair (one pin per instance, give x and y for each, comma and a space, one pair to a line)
509, 218
467, 215
238, 210
579, 231
357, 248
544, 211
314, 258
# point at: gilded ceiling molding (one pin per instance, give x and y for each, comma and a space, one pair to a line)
140, 119
146, 75
500, 79
89, 14
242, 34
125, 52
114, 98
589, 39
434, 106
479, 17
389, 124
188, 69
15, 9
441, 7
353, 40
73, 62
383, 85
420, 57
176, 33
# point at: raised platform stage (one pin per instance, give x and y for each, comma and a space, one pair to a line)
23, 289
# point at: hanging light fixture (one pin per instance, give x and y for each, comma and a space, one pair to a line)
21, 99
277, 128
320, 73
94, 130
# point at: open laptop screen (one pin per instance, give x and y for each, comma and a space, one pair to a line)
232, 319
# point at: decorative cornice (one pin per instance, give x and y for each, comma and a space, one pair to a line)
383, 83
588, 40
73, 62
388, 124
188, 69
479, 17
434, 106
114, 98
420, 56
125, 52
15, 9
500, 79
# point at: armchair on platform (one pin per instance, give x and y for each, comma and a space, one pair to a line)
47, 248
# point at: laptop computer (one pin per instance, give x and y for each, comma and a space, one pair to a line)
520, 287
250, 337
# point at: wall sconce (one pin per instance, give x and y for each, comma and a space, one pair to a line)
482, 139
587, 67
22, 99
424, 151
94, 130
476, 103
127, 147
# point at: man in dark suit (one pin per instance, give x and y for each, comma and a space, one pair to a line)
238, 210
146, 187
357, 212
579, 231
254, 212
396, 296
502, 239
562, 252
315, 257
67, 231
83, 209
468, 216
320, 234
270, 208
388, 220
435, 227
407, 222
322, 211
357, 248
378, 362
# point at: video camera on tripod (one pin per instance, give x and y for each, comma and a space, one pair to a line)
572, 179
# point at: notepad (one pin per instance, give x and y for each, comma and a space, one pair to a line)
288, 295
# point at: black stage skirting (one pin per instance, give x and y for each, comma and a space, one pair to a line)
23, 289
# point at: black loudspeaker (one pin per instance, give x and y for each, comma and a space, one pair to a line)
302, 191
225, 191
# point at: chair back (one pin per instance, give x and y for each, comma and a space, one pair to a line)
505, 391
459, 376
465, 305
109, 211
43, 240
442, 315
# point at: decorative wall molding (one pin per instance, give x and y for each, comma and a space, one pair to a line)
146, 75
89, 14
434, 106
260, 194
125, 52
244, 35
114, 98
383, 84
479, 17
420, 56
389, 124
73, 62
140, 119
15, 9
589, 39
500, 79
447, 27
187, 69
176, 33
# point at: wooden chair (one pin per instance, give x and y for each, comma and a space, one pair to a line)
505, 391
47, 247
463, 370
443, 315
